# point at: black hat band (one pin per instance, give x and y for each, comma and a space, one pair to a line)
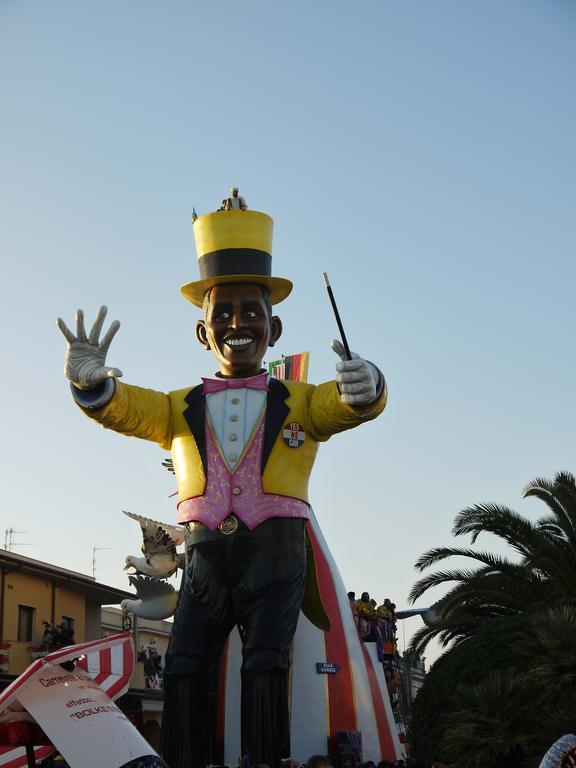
235, 261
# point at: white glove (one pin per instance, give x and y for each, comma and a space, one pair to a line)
85, 359
357, 378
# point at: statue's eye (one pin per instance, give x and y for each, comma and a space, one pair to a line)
220, 317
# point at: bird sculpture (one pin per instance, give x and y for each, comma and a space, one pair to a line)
159, 544
156, 599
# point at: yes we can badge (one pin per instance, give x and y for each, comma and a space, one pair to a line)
293, 434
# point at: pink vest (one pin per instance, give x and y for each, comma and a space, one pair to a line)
237, 492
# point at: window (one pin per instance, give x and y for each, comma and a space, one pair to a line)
25, 623
67, 623
67, 630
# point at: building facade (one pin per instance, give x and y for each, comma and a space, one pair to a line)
44, 606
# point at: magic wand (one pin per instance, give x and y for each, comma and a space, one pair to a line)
337, 316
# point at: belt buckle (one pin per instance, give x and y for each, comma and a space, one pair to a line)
229, 525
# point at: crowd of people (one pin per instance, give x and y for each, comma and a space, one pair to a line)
56, 636
56, 760
153, 670
377, 624
327, 761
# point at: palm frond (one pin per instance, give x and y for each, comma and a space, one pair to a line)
435, 579
563, 509
501, 521
544, 574
433, 556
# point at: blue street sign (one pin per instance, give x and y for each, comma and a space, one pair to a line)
327, 668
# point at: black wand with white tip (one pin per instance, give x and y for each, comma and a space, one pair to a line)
337, 316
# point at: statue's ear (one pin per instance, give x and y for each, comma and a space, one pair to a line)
275, 330
201, 334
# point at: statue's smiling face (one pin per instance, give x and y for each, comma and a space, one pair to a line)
238, 327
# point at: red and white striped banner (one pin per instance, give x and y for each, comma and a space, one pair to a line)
15, 757
109, 661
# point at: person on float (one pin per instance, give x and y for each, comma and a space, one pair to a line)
366, 616
243, 446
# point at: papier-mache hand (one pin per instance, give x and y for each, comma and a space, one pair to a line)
85, 361
358, 380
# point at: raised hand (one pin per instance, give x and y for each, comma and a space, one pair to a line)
84, 363
357, 378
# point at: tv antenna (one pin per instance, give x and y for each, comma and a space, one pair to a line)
9, 542
94, 550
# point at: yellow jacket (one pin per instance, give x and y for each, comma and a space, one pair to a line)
176, 422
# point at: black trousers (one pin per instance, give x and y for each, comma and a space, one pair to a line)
254, 580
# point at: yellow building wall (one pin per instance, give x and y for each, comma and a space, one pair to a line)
33, 591
137, 679
36, 592
72, 604
151, 639
18, 658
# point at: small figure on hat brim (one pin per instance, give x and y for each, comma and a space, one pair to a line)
233, 203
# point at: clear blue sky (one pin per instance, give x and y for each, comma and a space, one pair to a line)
421, 152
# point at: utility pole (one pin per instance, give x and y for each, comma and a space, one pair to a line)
94, 550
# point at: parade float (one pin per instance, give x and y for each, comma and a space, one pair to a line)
264, 659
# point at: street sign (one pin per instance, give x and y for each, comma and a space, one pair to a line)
326, 668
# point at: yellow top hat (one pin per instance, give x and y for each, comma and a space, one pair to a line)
234, 246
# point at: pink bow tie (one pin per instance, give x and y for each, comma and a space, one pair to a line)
260, 382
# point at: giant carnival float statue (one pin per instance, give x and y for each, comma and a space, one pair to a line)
243, 445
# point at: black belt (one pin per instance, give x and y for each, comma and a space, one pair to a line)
227, 526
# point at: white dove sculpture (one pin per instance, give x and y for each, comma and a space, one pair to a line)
159, 544
156, 599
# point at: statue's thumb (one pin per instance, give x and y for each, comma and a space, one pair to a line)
338, 347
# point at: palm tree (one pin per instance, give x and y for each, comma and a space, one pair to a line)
510, 716
488, 725
549, 648
501, 697
543, 574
